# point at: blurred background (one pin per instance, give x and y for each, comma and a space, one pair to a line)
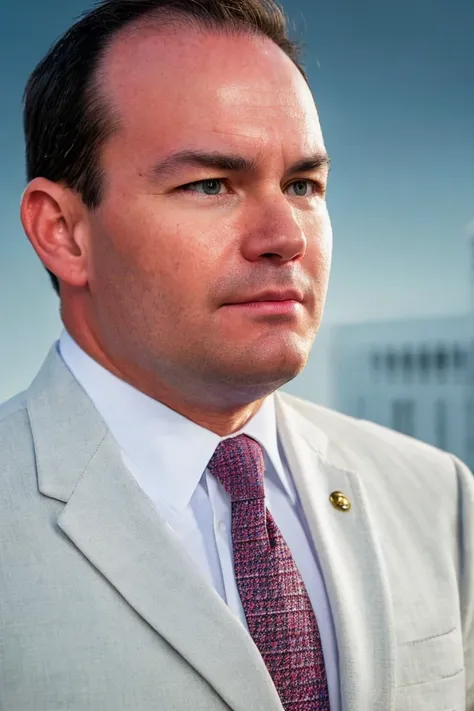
394, 83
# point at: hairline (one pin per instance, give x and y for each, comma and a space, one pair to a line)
96, 92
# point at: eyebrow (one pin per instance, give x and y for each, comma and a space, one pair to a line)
230, 162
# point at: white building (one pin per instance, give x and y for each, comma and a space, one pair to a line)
415, 376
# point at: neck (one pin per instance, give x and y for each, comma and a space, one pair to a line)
223, 418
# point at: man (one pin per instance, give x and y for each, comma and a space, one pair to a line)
175, 532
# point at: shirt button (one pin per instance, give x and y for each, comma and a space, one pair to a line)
222, 527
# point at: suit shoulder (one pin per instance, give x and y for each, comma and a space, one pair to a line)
316, 413
15, 431
362, 438
15, 406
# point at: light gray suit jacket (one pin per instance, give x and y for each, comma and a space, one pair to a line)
102, 610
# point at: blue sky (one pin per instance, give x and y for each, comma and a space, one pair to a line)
394, 85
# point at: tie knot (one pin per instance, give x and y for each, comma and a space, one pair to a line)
239, 466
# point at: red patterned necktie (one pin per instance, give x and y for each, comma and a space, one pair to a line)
279, 614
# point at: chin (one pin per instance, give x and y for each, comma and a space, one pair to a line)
273, 370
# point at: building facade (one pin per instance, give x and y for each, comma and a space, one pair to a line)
414, 376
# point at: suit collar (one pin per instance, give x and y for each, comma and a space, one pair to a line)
150, 434
66, 428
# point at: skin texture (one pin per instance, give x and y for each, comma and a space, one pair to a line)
145, 276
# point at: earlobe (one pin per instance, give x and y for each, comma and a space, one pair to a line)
50, 215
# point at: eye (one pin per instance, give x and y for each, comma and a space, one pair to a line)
301, 188
211, 186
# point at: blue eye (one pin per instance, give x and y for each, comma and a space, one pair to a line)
301, 188
206, 187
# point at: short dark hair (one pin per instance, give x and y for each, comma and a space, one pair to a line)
66, 120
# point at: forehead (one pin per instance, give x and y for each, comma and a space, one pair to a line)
178, 85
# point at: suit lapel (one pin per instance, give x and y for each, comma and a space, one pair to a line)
114, 524
351, 562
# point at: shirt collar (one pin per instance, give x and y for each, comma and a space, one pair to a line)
151, 435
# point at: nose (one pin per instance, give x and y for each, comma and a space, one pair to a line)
274, 231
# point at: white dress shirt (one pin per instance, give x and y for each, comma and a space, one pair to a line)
168, 456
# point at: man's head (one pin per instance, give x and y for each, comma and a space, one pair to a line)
138, 102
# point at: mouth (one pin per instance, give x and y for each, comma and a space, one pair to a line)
288, 307
286, 296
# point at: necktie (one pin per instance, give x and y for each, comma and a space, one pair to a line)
279, 614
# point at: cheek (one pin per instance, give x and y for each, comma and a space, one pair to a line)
320, 240
327, 243
173, 261
134, 237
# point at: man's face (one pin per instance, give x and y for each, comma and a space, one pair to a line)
175, 241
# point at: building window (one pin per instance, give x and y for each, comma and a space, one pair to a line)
459, 358
441, 359
441, 424
424, 362
391, 361
407, 364
403, 416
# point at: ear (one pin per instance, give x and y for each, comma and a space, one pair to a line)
54, 220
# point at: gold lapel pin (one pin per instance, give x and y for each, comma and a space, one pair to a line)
340, 501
